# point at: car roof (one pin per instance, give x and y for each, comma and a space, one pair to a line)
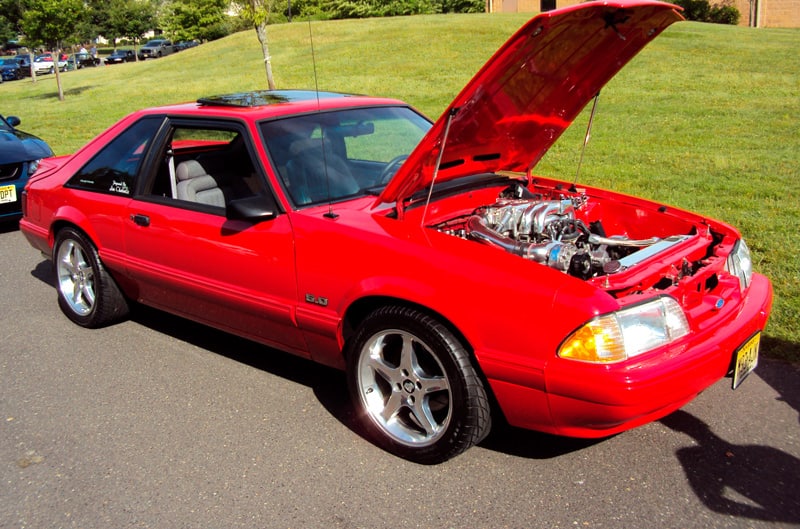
264, 104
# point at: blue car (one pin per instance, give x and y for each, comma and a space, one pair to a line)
20, 154
9, 69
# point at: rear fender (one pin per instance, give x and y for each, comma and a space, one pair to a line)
69, 216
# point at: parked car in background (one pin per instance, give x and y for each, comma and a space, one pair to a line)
20, 154
120, 56
9, 69
185, 45
82, 60
156, 48
44, 63
425, 259
24, 62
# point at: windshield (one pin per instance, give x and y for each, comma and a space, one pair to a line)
328, 156
4, 125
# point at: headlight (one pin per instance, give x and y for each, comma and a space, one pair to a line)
740, 264
33, 165
626, 333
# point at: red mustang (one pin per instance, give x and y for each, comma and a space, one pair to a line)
425, 259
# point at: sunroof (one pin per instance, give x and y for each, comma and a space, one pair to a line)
266, 97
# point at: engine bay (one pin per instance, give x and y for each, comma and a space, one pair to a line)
590, 238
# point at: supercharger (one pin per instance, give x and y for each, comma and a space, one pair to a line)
548, 232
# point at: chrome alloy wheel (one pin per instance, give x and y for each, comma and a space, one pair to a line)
75, 276
404, 388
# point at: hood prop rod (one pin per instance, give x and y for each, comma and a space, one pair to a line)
585, 141
450, 116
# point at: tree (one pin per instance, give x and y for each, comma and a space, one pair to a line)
197, 19
7, 31
258, 12
131, 19
50, 22
95, 21
10, 18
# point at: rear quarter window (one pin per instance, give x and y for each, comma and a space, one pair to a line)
114, 168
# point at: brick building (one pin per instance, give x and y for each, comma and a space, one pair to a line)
769, 13
755, 13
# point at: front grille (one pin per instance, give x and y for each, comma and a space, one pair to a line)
10, 171
10, 208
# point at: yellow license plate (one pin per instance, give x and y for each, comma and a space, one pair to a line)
746, 359
8, 194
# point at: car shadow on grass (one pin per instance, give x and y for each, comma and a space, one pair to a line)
746, 481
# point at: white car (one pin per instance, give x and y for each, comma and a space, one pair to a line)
44, 63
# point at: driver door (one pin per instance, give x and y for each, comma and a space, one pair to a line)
188, 258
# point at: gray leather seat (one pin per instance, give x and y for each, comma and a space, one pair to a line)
317, 176
195, 185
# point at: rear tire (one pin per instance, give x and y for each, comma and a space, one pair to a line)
87, 294
414, 388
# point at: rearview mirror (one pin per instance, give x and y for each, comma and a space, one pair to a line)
362, 128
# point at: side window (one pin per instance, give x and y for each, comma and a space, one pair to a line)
206, 167
113, 169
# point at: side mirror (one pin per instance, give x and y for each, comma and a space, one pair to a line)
253, 209
14, 121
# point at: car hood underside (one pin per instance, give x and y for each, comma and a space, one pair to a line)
530, 91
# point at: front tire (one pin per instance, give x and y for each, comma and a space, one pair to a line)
414, 388
87, 294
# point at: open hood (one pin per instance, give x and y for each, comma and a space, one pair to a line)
530, 91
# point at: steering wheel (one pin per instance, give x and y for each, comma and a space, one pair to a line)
391, 168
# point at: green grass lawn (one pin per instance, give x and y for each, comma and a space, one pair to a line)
706, 118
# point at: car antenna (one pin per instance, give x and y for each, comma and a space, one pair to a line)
330, 214
450, 116
585, 142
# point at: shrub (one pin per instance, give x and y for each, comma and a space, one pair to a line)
382, 8
702, 11
694, 9
724, 14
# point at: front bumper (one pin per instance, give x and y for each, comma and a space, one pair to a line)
594, 401
11, 210
591, 400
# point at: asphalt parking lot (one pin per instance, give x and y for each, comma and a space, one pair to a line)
157, 422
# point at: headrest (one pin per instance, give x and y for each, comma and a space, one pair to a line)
305, 145
189, 169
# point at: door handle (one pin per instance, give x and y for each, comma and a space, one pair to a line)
141, 220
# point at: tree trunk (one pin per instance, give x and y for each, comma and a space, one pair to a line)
261, 31
56, 56
32, 56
